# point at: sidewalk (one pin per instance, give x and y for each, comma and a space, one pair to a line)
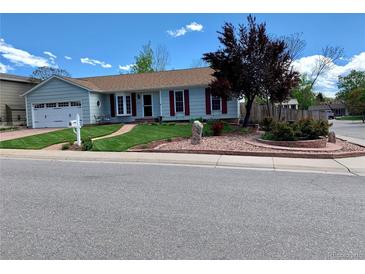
347, 166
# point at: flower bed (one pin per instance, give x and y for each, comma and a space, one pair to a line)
239, 144
317, 143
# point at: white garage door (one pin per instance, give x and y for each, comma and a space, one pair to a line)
55, 114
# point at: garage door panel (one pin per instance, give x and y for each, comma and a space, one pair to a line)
55, 116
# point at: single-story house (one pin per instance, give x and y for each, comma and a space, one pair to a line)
291, 104
174, 95
338, 109
12, 105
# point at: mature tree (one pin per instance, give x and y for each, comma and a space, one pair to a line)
144, 60
325, 62
355, 101
161, 58
250, 64
355, 79
320, 98
304, 94
43, 73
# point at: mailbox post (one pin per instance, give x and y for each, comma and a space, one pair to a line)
76, 127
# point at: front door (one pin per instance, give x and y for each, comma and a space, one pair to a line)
147, 105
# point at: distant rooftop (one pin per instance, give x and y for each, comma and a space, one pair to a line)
17, 78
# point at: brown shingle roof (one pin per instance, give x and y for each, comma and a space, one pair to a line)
147, 81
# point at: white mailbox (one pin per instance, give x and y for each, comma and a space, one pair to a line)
76, 127
72, 123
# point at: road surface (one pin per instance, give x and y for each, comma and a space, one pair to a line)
88, 210
353, 129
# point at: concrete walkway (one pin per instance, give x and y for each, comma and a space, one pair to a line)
346, 166
14, 134
122, 130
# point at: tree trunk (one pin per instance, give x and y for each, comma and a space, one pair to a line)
280, 106
268, 107
248, 112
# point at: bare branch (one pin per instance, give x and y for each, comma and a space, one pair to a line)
325, 62
295, 44
161, 58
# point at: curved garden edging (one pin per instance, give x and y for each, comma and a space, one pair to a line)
317, 143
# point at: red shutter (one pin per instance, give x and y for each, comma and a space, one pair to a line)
186, 101
134, 105
207, 101
224, 104
172, 102
112, 105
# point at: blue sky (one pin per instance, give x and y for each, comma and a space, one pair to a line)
98, 44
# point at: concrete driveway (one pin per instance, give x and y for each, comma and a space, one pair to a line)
8, 135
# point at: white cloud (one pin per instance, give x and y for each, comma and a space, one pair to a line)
21, 57
194, 26
94, 62
4, 68
328, 82
50, 54
68, 57
126, 67
177, 33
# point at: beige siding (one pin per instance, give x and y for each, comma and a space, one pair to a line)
10, 92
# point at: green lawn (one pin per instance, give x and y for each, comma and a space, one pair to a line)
142, 134
40, 141
350, 117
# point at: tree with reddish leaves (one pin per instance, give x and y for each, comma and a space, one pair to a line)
251, 64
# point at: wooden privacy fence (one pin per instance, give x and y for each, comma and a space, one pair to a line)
259, 112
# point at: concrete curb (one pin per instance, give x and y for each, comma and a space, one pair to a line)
346, 166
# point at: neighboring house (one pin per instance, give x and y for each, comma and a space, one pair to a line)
338, 109
291, 104
174, 95
12, 105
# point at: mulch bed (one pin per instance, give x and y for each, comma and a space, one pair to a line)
240, 144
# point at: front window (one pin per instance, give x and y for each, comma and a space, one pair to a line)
216, 103
124, 105
179, 101
120, 104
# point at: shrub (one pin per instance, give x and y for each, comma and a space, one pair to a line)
217, 128
311, 129
283, 132
86, 144
65, 146
267, 124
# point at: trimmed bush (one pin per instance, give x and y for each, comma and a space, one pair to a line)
267, 124
305, 129
65, 146
86, 144
283, 132
217, 128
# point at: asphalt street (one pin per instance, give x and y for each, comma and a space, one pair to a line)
354, 129
88, 210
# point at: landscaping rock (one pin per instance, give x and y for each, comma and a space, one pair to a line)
332, 137
197, 131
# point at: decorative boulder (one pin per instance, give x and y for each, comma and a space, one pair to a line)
197, 131
332, 137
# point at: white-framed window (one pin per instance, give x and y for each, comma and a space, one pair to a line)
216, 103
63, 104
76, 104
123, 103
39, 106
179, 101
51, 105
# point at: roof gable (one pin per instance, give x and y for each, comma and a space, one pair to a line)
52, 78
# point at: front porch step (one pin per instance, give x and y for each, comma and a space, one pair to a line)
145, 120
